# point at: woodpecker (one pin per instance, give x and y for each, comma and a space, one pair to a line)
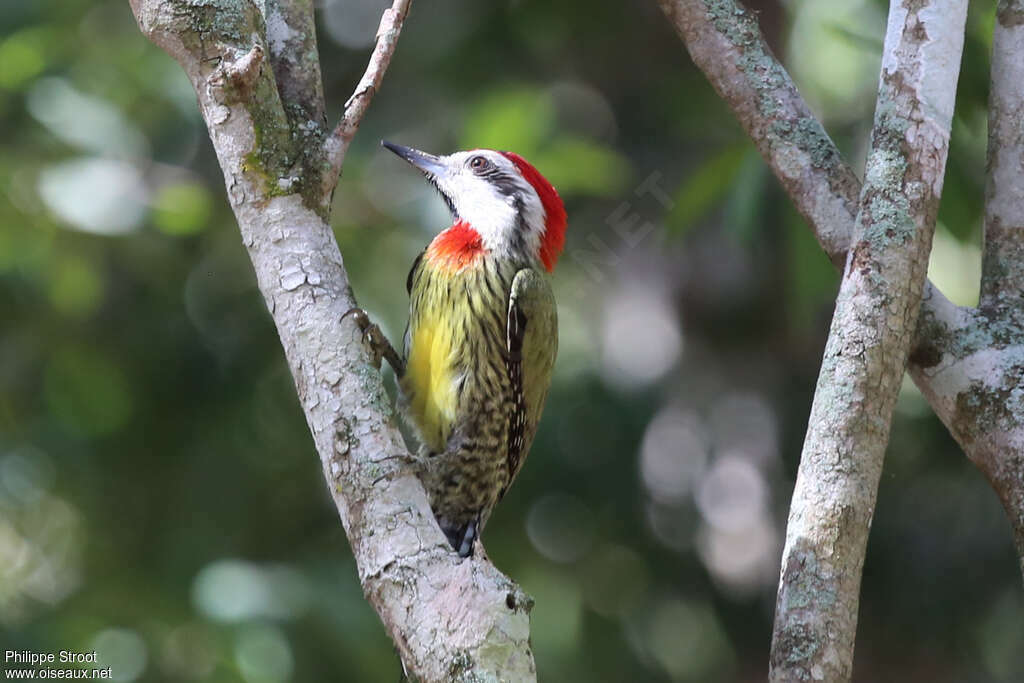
482, 335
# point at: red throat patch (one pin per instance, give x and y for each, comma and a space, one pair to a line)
457, 247
555, 219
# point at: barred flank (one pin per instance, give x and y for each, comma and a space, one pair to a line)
473, 392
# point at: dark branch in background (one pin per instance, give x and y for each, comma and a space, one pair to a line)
256, 77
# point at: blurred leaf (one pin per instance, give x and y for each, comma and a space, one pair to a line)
868, 43
23, 57
705, 188
961, 206
76, 288
744, 208
515, 119
575, 165
182, 208
810, 278
955, 267
87, 391
981, 19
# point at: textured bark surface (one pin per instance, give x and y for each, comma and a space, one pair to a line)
970, 396
977, 387
866, 353
451, 619
1003, 262
725, 41
975, 378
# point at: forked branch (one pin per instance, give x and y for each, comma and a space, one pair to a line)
336, 144
450, 619
888, 224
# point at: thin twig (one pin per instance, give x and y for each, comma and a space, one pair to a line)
336, 144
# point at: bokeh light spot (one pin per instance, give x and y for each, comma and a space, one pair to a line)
673, 455
615, 581
685, 639
234, 590
90, 123
741, 561
122, 650
101, 196
263, 654
352, 23
561, 527
732, 495
641, 338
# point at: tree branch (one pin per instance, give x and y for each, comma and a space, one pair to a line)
725, 42
336, 145
291, 36
872, 330
976, 388
451, 619
1003, 261
719, 35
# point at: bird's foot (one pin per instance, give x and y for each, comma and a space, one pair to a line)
407, 458
375, 339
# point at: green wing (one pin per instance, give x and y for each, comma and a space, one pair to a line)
532, 344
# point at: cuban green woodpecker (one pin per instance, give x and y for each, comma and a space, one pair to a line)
482, 334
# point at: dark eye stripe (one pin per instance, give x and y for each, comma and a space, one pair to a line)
505, 184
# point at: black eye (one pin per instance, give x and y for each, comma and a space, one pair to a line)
479, 163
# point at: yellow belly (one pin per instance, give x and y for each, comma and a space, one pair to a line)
431, 376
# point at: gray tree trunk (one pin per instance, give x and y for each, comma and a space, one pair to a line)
256, 74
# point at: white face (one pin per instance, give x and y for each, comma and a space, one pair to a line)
486, 190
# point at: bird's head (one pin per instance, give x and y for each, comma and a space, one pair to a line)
501, 196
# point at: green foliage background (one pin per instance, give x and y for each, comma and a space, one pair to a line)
160, 499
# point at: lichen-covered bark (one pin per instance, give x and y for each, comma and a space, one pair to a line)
725, 42
291, 36
872, 331
451, 619
978, 386
970, 362
1003, 263
967, 363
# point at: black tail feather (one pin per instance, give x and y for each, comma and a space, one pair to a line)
461, 537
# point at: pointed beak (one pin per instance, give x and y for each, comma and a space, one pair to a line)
429, 164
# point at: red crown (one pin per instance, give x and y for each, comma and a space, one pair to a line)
555, 218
